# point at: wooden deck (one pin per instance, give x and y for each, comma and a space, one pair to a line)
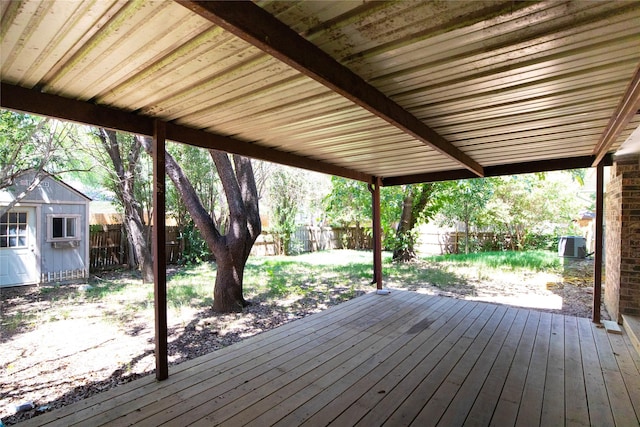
402, 359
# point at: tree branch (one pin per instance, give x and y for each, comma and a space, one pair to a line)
200, 216
237, 213
249, 192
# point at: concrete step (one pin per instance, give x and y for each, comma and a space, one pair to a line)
631, 326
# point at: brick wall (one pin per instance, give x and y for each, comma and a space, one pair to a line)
622, 283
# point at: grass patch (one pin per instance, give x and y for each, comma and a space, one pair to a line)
526, 260
315, 279
105, 289
19, 320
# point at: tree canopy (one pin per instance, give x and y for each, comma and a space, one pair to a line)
33, 143
402, 209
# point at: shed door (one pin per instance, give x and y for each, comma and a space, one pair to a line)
18, 263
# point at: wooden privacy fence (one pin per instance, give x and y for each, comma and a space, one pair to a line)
454, 242
109, 248
313, 239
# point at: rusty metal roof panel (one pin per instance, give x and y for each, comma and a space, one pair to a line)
502, 81
542, 68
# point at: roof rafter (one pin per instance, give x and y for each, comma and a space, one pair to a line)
256, 26
501, 170
36, 102
627, 108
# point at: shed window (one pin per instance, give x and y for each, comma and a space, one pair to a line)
13, 230
63, 227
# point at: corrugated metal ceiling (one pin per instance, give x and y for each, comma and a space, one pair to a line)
504, 82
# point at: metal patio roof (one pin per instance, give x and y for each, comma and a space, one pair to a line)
407, 91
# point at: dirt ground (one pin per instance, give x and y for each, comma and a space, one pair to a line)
569, 292
80, 350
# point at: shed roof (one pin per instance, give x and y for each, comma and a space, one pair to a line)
408, 91
43, 192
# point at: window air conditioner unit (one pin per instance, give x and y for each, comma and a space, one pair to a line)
65, 244
572, 247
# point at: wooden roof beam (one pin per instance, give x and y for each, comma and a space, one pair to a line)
256, 26
36, 102
501, 170
627, 108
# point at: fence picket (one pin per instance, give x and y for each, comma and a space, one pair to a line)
109, 248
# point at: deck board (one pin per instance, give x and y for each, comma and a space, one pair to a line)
331, 390
486, 342
334, 364
621, 406
400, 359
353, 403
624, 356
487, 375
399, 389
506, 410
533, 393
597, 398
495, 381
577, 410
553, 404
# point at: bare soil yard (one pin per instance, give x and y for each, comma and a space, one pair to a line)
60, 346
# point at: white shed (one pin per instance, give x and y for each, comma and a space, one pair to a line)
45, 237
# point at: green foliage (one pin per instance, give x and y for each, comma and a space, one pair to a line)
195, 249
287, 191
141, 167
197, 165
185, 295
465, 201
32, 142
277, 284
18, 130
105, 289
526, 206
421, 203
546, 242
350, 203
20, 320
533, 209
403, 241
536, 260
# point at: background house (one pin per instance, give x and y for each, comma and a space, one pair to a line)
45, 237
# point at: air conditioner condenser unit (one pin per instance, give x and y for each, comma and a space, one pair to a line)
572, 247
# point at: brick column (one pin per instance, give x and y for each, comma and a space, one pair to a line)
622, 283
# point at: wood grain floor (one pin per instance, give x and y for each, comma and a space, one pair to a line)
401, 359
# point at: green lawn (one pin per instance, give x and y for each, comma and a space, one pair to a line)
332, 274
343, 273
318, 279
526, 260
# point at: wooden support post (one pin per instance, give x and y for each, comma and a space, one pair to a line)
597, 264
159, 254
374, 188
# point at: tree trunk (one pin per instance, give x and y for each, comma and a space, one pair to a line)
233, 248
404, 251
416, 202
227, 291
124, 176
135, 231
466, 235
